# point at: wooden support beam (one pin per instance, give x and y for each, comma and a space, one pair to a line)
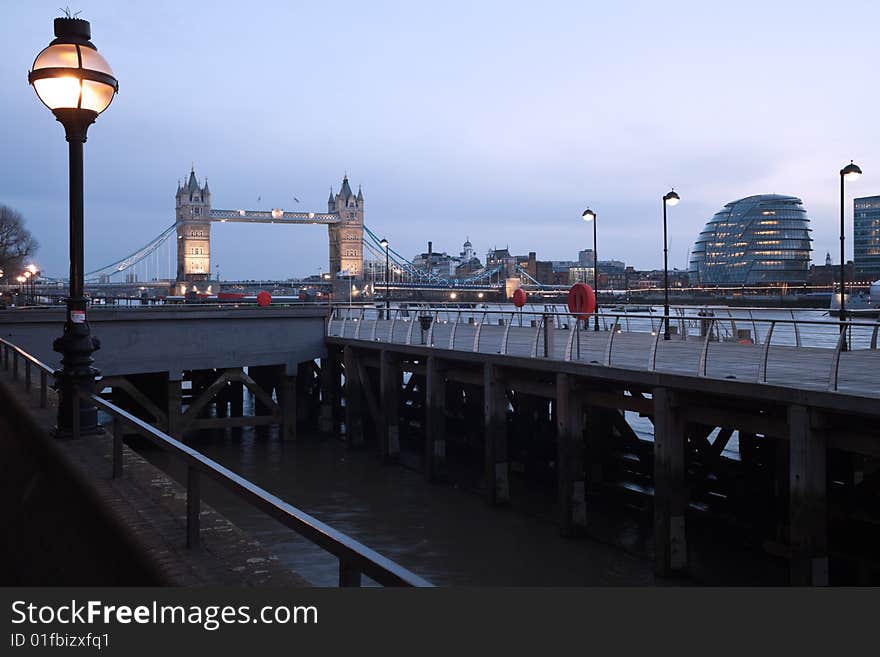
716, 415
354, 427
288, 407
497, 463
571, 477
435, 421
160, 418
670, 493
218, 386
808, 510
390, 382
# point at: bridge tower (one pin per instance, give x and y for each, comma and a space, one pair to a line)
193, 235
346, 237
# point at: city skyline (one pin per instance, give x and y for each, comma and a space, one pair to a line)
485, 139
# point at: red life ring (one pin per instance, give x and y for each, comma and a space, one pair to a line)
581, 300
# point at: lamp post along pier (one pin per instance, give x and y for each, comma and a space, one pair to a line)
384, 245
848, 173
589, 215
670, 198
76, 84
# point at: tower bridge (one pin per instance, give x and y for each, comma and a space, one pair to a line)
180, 256
344, 220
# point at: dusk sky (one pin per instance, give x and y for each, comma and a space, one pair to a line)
497, 121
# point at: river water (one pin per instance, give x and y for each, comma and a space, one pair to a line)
445, 533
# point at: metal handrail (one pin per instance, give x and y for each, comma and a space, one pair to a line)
762, 375
835, 362
612, 316
355, 558
29, 362
611, 341
704, 352
712, 327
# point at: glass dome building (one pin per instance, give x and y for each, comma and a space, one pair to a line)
757, 240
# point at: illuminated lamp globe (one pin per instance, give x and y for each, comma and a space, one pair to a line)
589, 215
671, 198
851, 172
71, 78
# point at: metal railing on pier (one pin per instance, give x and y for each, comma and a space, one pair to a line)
355, 559
546, 332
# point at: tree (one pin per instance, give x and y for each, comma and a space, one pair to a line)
16, 242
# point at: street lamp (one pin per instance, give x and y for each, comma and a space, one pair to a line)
27, 282
669, 198
848, 173
34, 273
588, 216
77, 84
384, 245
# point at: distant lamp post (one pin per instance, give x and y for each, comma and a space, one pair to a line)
384, 245
27, 284
670, 198
34, 272
77, 84
849, 173
590, 216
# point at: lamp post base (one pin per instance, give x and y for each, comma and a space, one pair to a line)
76, 378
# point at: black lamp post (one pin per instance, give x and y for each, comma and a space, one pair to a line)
589, 215
670, 198
384, 245
34, 272
77, 84
850, 172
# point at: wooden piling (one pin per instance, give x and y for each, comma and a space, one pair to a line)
288, 404
570, 471
329, 392
670, 493
354, 422
435, 420
497, 464
175, 406
390, 382
808, 509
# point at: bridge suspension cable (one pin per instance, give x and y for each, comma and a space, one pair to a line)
141, 258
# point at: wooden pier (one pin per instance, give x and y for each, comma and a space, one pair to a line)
546, 397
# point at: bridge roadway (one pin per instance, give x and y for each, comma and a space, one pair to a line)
781, 400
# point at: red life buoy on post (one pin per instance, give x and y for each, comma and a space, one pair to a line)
581, 301
519, 298
264, 298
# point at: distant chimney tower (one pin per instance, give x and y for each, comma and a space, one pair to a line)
430, 248
827, 259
